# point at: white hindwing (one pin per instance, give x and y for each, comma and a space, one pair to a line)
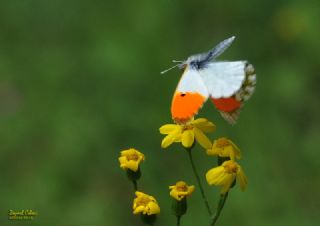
223, 79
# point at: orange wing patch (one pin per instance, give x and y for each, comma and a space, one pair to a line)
229, 108
186, 105
229, 104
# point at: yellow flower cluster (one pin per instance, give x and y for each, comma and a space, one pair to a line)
187, 133
145, 204
181, 190
224, 147
131, 159
226, 174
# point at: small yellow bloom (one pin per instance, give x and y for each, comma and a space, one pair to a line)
187, 133
181, 190
145, 204
225, 175
224, 147
131, 159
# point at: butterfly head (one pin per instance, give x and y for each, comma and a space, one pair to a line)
196, 61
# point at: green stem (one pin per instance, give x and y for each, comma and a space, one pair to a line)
134, 177
135, 185
204, 198
221, 203
178, 220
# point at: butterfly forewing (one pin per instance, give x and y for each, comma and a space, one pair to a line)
189, 97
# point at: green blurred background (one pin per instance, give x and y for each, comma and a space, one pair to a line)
80, 81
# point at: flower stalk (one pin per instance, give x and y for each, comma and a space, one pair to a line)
222, 201
135, 185
179, 208
204, 198
134, 177
178, 220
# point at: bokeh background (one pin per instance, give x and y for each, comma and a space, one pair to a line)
80, 81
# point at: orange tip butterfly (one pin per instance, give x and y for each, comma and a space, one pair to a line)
227, 83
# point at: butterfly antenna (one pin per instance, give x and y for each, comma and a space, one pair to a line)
162, 72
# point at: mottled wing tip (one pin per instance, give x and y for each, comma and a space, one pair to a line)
231, 117
248, 86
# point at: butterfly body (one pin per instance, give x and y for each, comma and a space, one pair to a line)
227, 83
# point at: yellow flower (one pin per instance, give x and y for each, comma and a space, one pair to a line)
224, 147
145, 204
225, 175
186, 133
131, 159
181, 190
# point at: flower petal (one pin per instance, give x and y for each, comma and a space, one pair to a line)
133, 165
200, 121
236, 150
226, 186
190, 189
204, 125
168, 128
153, 208
122, 160
139, 209
178, 138
170, 138
241, 177
174, 194
167, 141
202, 138
139, 193
187, 138
213, 174
213, 151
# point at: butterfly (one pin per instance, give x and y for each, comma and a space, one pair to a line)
227, 83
